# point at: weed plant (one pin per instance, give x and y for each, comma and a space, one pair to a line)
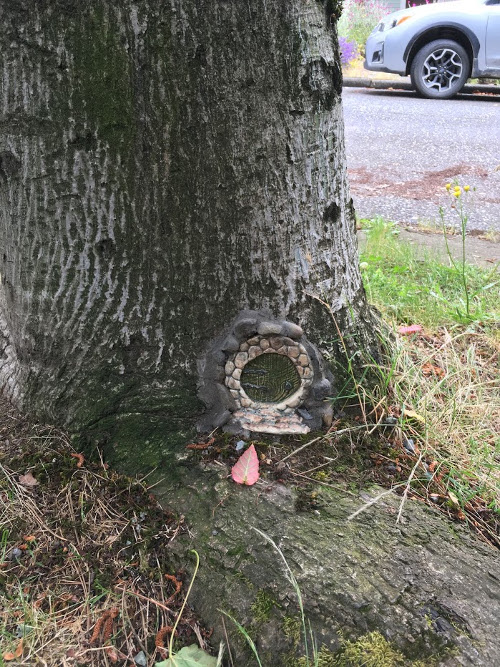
450, 374
459, 206
412, 285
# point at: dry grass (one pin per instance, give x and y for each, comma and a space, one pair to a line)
444, 389
83, 557
84, 551
449, 374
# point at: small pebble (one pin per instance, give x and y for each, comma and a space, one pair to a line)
409, 445
16, 553
140, 659
215, 532
304, 413
390, 420
23, 630
240, 445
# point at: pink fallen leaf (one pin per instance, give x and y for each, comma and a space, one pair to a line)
406, 331
246, 468
27, 480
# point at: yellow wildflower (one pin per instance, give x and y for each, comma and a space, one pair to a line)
448, 186
466, 188
457, 193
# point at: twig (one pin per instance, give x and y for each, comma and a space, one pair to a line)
181, 610
321, 465
201, 641
407, 487
372, 502
299, 449
146, 599
227, 642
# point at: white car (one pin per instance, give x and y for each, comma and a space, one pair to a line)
439, 45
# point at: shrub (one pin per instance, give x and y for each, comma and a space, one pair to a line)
348, 50
359, 18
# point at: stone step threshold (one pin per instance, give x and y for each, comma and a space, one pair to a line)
270, 420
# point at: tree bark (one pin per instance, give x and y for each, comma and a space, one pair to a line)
426, 585
163, 166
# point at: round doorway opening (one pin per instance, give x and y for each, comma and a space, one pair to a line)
270, 378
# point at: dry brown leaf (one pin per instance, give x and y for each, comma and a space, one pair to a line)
27, 480
431, 369
19, 650
17, 653
112, 654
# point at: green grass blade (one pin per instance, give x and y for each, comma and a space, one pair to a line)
245, 634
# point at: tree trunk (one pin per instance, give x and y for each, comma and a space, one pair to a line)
426, 587
164, 166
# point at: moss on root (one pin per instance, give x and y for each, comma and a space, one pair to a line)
292, 629
263, 606
370, 650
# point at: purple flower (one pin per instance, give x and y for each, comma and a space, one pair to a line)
348, 50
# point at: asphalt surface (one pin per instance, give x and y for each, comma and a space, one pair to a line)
402, 150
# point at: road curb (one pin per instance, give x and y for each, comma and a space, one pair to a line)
383, 84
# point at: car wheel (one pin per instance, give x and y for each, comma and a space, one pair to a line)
440, 69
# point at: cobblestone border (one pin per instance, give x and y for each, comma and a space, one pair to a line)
255, 347
250, 334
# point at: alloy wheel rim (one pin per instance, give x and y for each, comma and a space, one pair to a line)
441, 69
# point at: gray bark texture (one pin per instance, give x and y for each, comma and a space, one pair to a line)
164, 165
428, 586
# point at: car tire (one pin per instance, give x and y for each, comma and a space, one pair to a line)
440, 69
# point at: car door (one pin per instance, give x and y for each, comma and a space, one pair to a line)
493, 36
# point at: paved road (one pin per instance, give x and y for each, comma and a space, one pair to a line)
402, 150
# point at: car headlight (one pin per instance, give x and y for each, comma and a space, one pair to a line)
385, 25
